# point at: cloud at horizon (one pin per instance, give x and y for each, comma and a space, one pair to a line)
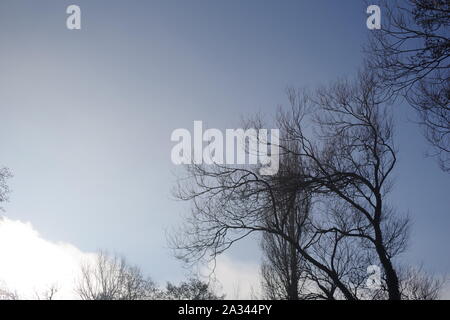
236, 279
31, 265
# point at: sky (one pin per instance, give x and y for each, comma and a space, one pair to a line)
86, 116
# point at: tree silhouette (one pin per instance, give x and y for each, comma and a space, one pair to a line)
411, 53
112, 278
193, 289
284, 272
343, 135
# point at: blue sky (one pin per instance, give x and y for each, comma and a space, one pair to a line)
86, 116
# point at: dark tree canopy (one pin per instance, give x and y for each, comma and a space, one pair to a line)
193, 289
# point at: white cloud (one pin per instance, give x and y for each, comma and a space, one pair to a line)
31, 264
236, 279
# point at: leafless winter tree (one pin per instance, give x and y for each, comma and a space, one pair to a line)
193, 289
6, 293
343, 137
111, 278
283, 269
47, 294
4, 190
412, 54
416, 284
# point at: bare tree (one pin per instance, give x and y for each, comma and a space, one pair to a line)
4, 190
352, 164
419, 285
6, 293
111, 278
283, 269
49, 293
193, 289
348, 165
411, 53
